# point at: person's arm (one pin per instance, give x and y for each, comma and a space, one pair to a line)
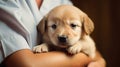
26, 58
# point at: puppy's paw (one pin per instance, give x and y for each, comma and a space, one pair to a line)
74, 49
41, 48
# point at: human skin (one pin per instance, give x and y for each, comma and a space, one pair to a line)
26, 58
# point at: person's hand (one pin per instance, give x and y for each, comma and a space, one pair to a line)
94, 64
98, 61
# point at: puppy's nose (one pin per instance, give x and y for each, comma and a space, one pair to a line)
62, 39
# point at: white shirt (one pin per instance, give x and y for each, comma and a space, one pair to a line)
28, 15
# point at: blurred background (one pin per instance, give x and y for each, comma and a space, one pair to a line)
106, 17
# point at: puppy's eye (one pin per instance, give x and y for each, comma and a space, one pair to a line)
54, 26
73, 25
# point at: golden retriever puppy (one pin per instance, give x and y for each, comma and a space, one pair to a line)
69, 28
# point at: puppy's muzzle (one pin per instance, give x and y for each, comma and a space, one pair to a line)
62, 39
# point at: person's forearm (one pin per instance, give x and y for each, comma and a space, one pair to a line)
25, 58
60, 59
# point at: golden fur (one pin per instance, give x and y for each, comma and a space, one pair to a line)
66, 26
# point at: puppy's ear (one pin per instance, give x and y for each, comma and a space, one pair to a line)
42, 26
88, 25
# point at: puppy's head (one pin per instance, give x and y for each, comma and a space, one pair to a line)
65, 25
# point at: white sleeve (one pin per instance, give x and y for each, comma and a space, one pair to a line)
10, 41
47, 5
67, 2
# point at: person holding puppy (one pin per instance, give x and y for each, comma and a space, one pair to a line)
17, 38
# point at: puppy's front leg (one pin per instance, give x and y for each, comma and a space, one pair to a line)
89, 49
41, 48
86, 46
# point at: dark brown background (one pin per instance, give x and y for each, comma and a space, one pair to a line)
106, 17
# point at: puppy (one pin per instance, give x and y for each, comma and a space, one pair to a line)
69, 28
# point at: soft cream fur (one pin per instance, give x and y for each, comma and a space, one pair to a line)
71, 22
